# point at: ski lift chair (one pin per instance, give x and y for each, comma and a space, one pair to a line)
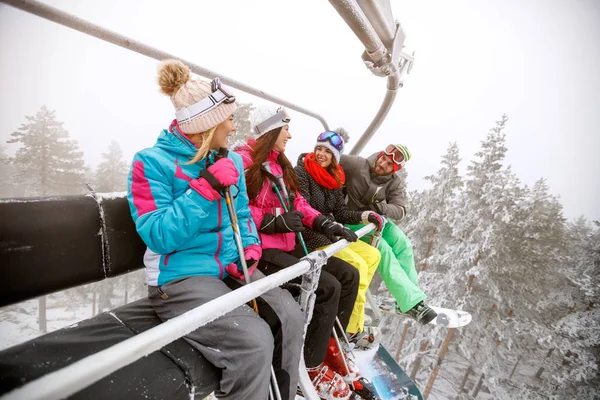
52, 244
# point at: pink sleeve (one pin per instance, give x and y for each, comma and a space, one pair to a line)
310, 214
247, 160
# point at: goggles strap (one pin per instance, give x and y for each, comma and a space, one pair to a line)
328, 138
273, 122
200, 108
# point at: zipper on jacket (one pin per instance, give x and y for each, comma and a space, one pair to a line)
219, 222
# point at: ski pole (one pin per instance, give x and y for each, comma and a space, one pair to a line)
274, 387
238, 241
267, 167
375, 243
238, 238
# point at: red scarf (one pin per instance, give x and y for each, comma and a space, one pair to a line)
320, 174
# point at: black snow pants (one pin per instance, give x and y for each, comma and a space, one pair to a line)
335, 296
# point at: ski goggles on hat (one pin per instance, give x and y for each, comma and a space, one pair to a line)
399, 155
332, 137
220, 94
280, 118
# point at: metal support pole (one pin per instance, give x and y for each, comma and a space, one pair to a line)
380, 19
360, 25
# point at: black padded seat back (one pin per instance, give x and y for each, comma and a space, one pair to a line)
124, 248
48, 244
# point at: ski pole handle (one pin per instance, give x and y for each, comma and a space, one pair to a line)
223, 153
267, 167
236, 233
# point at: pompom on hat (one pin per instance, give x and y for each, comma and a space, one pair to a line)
199, 104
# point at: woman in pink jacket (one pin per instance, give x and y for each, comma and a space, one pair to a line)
338, 283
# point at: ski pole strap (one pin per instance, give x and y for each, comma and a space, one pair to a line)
210, 178
223, 153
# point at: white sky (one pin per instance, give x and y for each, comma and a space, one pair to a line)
536, 60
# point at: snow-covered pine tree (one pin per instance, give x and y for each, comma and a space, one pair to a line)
48, 162
531, 285
475, 260
243, 124
111, 173
7, 187
573, 371
430, 226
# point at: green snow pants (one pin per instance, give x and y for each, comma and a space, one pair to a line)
397, 266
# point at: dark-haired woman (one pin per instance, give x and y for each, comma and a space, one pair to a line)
321, 179
338, 283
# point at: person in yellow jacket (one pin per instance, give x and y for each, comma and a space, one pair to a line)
321, 179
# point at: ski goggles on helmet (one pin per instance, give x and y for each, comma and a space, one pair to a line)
220, 94
332, 137
400, 154
279, 119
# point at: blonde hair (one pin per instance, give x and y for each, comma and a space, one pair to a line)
205, 147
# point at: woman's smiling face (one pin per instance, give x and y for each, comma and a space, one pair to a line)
323, 156
282, 139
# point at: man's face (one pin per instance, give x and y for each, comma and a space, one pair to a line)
384, 165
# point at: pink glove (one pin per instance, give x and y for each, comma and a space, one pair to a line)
235, 271
224, 173
252, 253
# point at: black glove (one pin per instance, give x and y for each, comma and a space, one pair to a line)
290, 221
333, 230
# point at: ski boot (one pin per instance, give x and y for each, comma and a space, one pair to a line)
358, 384
420, 312
365, 339
328, 384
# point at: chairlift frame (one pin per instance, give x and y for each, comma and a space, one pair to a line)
383, 39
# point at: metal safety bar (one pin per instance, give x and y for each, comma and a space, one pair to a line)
83, 373
53, 14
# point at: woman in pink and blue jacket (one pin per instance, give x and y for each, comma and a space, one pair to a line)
175, 200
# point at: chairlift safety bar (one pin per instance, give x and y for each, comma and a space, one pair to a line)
85, 372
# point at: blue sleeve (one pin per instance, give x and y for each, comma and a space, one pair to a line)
164, 223
246, 223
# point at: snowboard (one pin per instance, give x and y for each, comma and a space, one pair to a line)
446, 317
389, 380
